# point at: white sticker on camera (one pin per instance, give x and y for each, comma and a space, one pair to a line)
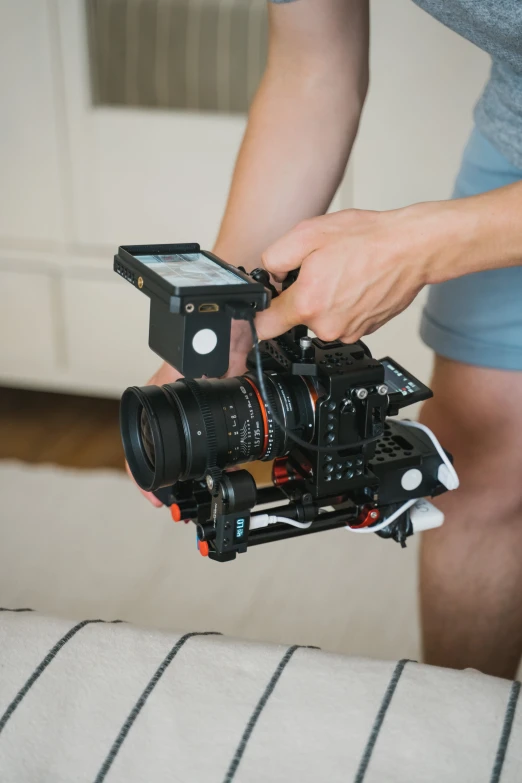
411, 479
204, 341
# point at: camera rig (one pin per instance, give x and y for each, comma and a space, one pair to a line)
319, 410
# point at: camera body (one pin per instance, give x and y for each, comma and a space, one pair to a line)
319, 410
350, 404
354, 394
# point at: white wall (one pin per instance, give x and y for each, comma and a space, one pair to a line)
77, 181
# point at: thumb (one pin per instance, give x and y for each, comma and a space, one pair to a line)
290, 250
280, 316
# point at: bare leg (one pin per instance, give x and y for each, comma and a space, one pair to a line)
471, 568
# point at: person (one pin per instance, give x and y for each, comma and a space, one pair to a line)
359, 268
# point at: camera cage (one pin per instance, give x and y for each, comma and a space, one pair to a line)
362, 471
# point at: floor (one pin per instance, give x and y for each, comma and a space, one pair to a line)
67, 430
63, 429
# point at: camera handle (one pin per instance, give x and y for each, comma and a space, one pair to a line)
261, 275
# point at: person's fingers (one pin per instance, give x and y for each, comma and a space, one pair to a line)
354, 330
240, 345
350, 339
282, 315
151, 498
329, 327
165, 374
237, 365
290, 250
148, 495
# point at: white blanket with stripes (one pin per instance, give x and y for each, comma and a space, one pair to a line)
96, 701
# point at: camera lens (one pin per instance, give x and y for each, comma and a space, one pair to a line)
175, 432
147, 440
152, 435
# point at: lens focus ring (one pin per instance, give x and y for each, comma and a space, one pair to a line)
181, 430
204, 407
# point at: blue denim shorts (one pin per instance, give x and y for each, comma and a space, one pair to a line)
477, 319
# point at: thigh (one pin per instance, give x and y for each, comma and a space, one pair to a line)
476, 413
477, 319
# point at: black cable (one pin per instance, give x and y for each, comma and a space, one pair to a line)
249, 316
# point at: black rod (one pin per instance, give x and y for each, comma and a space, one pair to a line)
269, 494
328, 521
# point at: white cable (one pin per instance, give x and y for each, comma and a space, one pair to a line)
447, 474
385, 522
288, 521
263, 520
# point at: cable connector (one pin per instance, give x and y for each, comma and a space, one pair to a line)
240, 311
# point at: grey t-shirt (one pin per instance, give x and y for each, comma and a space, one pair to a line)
496, 27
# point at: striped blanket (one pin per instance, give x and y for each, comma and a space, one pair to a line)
99, 701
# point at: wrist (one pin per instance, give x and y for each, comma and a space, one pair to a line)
477, 233
446, 239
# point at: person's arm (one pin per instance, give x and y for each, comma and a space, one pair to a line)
301, 125
300, 131
359, 269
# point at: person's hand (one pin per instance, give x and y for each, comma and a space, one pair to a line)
240, 344
358, 269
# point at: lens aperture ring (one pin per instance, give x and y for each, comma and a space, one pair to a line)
210, 431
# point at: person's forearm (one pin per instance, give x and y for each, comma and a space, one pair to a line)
359, 268
291, 161
301, 128
483, 232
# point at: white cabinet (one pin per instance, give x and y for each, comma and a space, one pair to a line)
33, 149
28, 327
153, 176
107, 333
141, 175
86, 179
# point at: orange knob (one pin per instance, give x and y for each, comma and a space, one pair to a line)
175, 512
